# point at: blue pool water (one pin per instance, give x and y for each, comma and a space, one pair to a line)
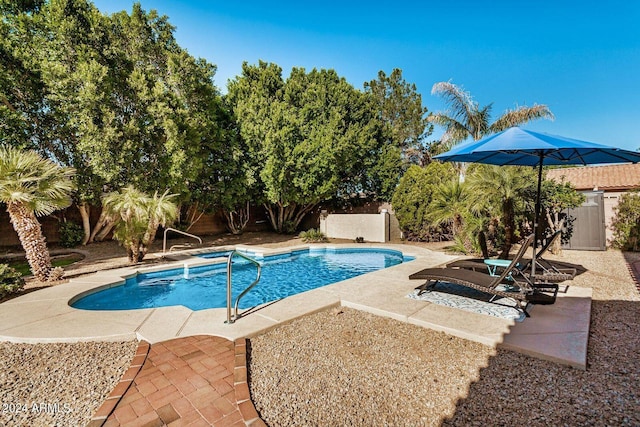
205, 287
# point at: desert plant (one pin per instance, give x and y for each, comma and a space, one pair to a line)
31, 186
289, 227
502, 188
626, 224
313, 235
71, 234
137, 217
11, 281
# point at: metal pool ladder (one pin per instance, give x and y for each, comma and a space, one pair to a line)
232, 319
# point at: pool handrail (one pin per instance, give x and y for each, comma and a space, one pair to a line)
164, 240
231, 320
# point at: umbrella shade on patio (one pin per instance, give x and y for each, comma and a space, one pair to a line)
519, 147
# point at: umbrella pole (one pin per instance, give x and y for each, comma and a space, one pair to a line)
537, 218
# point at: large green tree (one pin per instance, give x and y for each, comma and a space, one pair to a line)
69, 37
113, 96
22, 116
404, 118
312, 137
32, 186
466, 118
227, 182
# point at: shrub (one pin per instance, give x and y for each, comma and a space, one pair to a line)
137, 218
71, 234
413, 196
626, 224
289, 227
11, 281
313, 235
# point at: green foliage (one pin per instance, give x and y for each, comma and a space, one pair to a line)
153, 109
313, 235
556, 198
289, 227
113, 96
30, 180
402, 114
495, 204
382, 172
71, 234
501, 191
413, 196
31, 185
22, 266
626, 223
137, 217
227, 180
449, 205
11, 281
310, 138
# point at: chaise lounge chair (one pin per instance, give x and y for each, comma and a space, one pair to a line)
546, 272
522, 291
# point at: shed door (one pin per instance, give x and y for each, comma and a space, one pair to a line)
589, 226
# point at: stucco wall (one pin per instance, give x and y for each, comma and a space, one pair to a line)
372, 227
611, 200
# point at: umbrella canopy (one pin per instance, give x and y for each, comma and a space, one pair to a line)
519, 147
516, 146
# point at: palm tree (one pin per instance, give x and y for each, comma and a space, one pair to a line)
453, 203
449, 205
502, 186
31, 185
466, 118
137, 218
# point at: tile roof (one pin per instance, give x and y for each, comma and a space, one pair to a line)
610, 177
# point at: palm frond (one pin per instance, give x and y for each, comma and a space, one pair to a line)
455, 132
34, 181
449, 201
521, 115
460, 102
162, 209
478, 123
465, 117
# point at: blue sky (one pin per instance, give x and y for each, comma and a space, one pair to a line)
581, 58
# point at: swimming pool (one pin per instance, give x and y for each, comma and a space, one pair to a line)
204, 287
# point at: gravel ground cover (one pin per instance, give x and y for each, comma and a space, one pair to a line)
58, 384
351, 368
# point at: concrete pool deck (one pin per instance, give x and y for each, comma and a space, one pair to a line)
556, 332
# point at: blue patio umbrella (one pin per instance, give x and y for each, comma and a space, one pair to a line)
520, 147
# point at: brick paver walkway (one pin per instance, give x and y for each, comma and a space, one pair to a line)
194, 381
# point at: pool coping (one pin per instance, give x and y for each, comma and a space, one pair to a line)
556, 332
